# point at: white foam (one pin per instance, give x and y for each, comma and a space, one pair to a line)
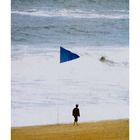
40, 83
75, 14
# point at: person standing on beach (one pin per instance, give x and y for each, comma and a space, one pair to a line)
76, 114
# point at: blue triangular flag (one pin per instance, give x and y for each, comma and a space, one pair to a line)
66, 55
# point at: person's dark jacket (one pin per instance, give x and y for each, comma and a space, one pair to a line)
76, 112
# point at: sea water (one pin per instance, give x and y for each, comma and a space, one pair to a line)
45, 91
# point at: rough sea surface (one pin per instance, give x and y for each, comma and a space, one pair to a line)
45, 91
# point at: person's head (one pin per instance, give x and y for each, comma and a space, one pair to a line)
102, 58
77, 105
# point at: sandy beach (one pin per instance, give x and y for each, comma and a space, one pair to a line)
102, 130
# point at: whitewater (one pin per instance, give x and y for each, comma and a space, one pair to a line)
44, 89
116, 14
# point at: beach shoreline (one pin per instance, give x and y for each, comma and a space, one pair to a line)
100, 130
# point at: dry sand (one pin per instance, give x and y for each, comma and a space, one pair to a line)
103, 130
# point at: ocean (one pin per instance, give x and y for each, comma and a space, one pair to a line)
44, 91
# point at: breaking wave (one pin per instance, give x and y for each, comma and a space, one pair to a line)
110, 14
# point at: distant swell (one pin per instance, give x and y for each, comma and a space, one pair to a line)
76, 14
